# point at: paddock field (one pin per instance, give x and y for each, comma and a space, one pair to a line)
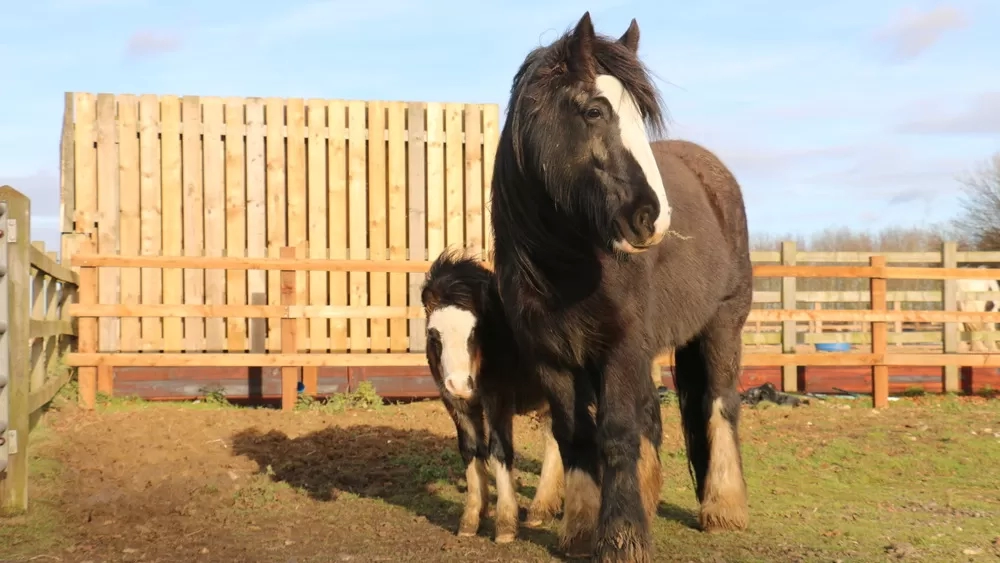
831, 481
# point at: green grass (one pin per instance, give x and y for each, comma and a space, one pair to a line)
38, 530
832, 481
829, 484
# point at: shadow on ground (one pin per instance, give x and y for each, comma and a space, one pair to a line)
683, 516
406, 468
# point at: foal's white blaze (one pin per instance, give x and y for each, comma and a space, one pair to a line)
454, 324
635, 140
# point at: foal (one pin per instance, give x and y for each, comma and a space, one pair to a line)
478, 371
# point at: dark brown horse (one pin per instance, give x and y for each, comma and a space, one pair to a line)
610, 250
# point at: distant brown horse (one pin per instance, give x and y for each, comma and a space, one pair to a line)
594, 288
989, 344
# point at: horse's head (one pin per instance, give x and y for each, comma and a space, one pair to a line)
577, 122
455, 294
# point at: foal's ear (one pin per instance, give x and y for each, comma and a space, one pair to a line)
631, 37
581, 49
428, 297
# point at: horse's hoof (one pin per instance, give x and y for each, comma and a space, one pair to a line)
621, 542
538, 518
468, 529
723, 517
504, 538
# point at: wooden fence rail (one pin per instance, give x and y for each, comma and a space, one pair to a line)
37, 332
291, 310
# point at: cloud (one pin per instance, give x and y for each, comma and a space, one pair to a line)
980, 117
149, 43
893, 175
912, 31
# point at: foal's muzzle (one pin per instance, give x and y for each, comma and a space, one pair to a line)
460, 386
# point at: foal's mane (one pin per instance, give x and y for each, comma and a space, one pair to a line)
458, 279
535, 232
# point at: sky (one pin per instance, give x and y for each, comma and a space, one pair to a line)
854, 113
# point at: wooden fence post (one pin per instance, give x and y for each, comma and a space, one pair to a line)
789, 336
817, 325
898, 325
310, 374
949, 294
87, 327
5, 324
880, 371
289, 334
17, 240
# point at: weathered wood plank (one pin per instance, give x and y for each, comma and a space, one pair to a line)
150, 215
129, 236
416, 212
337, 219
215, 216
194, 215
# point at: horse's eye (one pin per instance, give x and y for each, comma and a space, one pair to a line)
593, 113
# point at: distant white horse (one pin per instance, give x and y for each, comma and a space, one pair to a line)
970, 305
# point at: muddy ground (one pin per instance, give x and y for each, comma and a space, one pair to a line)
151, 482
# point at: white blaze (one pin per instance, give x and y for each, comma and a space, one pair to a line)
454, 325
634, 138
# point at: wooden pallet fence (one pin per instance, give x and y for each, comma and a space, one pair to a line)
203, 176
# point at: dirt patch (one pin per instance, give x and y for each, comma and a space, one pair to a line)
176, 482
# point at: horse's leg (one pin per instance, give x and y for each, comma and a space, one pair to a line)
472, 447
975, 344
548, 496
708, 370
629, 455
501, 449
991, 306
989, 344
571, 401
964, 346
650, 468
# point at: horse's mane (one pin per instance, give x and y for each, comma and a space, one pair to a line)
528, 225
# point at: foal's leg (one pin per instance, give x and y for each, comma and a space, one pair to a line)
571, 403
548, 496
629, 455
501, 448
472, 447
708, 370
990, 344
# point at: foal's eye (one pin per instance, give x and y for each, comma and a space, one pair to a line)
593, 113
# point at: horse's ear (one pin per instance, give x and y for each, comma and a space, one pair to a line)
581, 52
631, 37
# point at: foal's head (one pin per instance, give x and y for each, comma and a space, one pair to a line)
577, 121
456, 295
